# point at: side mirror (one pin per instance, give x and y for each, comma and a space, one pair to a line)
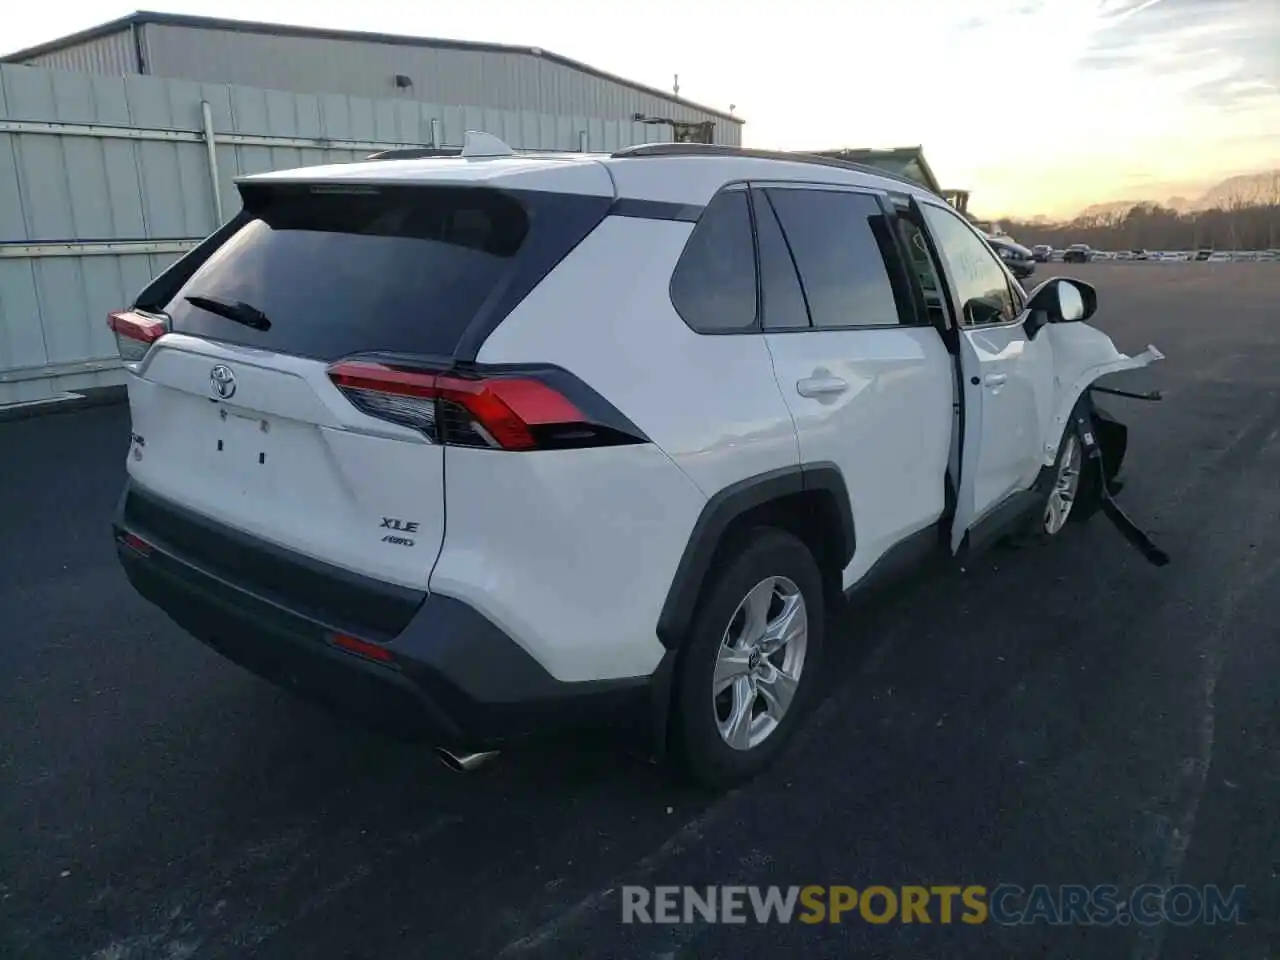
1060, 300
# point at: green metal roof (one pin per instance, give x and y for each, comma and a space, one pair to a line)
904, 161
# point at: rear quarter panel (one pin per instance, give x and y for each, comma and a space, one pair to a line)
570, 552
586, 544
710, 402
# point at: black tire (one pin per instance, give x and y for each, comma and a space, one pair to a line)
695, 737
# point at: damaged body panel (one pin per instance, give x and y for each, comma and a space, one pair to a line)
1104, 440
1027, 405
1086, 356
1082, 354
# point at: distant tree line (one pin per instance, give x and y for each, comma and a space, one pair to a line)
1149, 226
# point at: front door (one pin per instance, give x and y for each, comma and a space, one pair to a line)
1007, 377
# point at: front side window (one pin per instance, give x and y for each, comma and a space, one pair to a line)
843, 248
983, 293
713, 286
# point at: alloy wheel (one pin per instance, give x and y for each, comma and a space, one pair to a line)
1065, 486
759, 663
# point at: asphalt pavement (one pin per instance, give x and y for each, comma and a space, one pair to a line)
1059, 714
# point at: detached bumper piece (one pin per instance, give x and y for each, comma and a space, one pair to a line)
1105, 479
1151, 395
434, 669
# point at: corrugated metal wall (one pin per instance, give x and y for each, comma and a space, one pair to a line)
87, 159
114, 54
507, 81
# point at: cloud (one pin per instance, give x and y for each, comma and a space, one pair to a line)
1209, 46
1178, 92
1126, 12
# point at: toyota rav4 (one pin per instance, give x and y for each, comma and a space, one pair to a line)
493, 444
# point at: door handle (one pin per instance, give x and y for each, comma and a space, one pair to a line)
995, 379
814, 387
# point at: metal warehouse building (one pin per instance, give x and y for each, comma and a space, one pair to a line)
120, 147
377, 66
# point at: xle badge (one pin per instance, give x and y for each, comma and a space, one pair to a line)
403, 526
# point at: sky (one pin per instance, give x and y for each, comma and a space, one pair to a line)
1036, 106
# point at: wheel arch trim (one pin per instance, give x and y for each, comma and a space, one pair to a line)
728, 505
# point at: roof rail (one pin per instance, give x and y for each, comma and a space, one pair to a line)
415, 153
721, 150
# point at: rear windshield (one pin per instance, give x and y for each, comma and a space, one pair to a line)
338, 270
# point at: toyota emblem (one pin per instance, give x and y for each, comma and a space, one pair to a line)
223, 382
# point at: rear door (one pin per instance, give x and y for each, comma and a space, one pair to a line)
236, 414
868, 381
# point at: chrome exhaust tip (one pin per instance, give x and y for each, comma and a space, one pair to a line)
464, 762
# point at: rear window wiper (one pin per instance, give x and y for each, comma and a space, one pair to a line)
235, 310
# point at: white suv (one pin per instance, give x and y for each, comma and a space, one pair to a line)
490, 444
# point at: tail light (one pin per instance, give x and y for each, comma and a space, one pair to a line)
525, 410
135, 333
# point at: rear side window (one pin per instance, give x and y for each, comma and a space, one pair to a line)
713, 286
845, 252
340, 270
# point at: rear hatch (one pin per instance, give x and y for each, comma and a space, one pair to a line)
236, 412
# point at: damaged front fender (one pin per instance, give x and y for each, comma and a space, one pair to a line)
1081, 355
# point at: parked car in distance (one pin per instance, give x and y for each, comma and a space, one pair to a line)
1042, 253
1077, 253
1203, 254
1220, 256
1138, 254
1016, 257
301, 428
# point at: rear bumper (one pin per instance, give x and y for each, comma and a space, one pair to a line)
449, 675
